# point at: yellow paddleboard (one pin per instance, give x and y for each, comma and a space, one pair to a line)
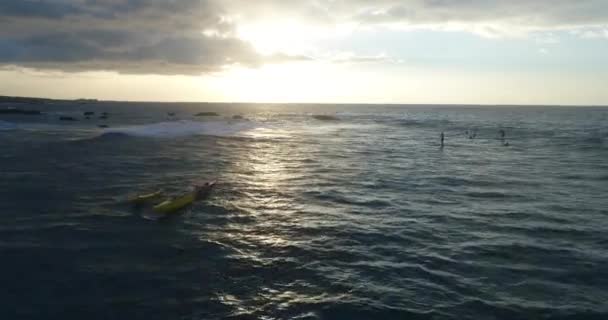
173, 205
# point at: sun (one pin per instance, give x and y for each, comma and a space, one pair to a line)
313, 79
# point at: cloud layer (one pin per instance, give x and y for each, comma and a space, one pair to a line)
198, 36
132, 36
492, 17
499, 16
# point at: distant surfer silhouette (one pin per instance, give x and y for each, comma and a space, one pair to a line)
503, 136
442, 138
473, 134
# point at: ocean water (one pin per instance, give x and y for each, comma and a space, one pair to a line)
364, 217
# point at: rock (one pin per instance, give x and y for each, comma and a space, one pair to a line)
19, 111
89, 113
66, 118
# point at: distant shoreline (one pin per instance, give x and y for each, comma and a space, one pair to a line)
32, 100
37, 100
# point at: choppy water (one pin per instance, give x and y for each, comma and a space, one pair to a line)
360, 218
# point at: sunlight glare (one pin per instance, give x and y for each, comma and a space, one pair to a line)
288, 36
277, 83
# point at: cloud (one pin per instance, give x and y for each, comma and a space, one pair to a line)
41, 9
198, 36
496, 17
486, 17
348, 57
592, 33
130, 36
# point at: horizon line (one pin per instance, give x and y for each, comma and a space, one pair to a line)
95, 100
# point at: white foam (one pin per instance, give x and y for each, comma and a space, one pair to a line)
182, 128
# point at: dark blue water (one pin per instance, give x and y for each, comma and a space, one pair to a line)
360, 218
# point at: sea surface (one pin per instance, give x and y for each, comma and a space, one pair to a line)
361, 217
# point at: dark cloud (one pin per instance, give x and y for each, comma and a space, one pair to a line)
152, 36
43, 9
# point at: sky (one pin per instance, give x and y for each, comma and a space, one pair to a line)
547, 52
